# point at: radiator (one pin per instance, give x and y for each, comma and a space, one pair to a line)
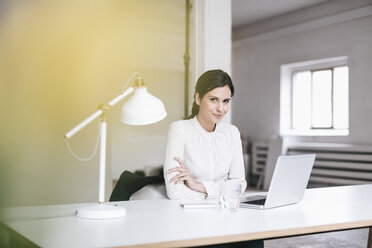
259, 155
337, 164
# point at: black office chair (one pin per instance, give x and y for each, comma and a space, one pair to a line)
129, 183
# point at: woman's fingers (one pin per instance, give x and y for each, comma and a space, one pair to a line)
179, 178
180, 162
176, 169
183, 174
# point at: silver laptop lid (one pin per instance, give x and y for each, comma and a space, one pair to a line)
289, 180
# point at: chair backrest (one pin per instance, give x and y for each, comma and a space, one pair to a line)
129, 183
274, 151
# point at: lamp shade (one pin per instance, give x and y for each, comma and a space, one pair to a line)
142, 108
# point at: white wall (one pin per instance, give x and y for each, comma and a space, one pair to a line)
59, 61
139, 147
298, 37
157, 44
212, 35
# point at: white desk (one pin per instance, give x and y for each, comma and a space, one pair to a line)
163, 223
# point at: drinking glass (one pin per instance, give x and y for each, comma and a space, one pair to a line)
229, 196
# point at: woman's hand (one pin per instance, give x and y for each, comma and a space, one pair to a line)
185, 177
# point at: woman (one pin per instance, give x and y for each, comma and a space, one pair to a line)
201, 152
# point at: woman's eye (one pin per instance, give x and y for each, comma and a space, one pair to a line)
213, 99
226, 100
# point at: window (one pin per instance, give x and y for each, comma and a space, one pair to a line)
314, 98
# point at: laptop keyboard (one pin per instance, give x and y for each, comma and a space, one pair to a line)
256, 202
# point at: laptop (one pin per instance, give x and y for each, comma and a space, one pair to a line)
288, 183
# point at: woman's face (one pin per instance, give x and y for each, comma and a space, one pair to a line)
214, 105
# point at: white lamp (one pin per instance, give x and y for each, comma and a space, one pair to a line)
141, 109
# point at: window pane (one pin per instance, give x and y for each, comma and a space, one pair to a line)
341, 98
322, 99
301, 100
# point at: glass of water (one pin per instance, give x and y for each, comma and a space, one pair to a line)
229, 196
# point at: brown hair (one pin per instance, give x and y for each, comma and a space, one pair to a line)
208, 81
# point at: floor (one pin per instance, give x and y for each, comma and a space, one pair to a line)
343, 239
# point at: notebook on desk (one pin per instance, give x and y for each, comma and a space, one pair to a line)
288, 184
195, 204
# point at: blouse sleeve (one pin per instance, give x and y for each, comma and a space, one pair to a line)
236, 172
175, 148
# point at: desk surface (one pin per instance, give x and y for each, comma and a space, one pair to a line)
163, 223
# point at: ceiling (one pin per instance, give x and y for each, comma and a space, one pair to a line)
248, 11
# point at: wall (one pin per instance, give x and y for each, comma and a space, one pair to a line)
211, 33
159, 41
327, 30
59, 60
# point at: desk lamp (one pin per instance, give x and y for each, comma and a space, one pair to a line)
142, 108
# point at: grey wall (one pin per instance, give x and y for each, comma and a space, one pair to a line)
259, 51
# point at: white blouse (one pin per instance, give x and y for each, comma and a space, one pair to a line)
211, 157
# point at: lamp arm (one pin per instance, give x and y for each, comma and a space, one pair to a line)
121, 96
97, 114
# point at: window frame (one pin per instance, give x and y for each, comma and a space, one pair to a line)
286, 96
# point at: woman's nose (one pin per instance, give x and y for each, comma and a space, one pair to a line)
219, 106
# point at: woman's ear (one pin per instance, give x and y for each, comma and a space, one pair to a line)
197, 99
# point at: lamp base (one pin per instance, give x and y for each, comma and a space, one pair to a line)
101, 211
